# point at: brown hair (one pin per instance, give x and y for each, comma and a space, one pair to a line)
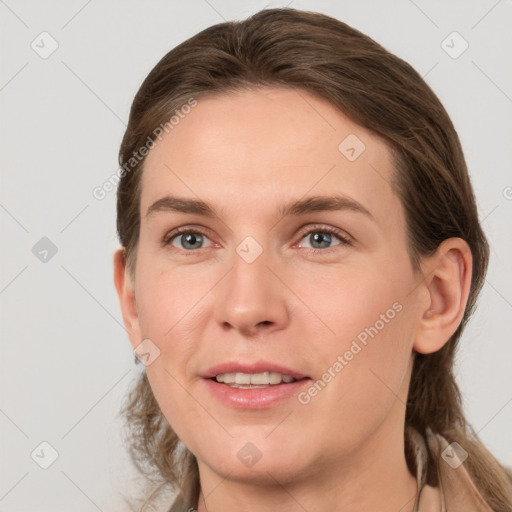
321, 55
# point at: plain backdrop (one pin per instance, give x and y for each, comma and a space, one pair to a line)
66, 362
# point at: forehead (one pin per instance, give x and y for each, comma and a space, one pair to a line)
243, 149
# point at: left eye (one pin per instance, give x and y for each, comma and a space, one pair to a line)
322, 239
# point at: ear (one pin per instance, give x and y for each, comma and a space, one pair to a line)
446, 284
126, 294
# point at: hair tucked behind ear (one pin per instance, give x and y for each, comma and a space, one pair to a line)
384, 94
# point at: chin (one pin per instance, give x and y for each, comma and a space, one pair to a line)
260, 463
263, 473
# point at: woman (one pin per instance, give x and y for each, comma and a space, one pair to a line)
300, 254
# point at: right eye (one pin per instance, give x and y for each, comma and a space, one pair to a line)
185, 239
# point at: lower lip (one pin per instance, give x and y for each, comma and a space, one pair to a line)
256, 398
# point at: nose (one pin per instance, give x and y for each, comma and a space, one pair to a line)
251, 299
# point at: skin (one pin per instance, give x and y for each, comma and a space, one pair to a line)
247, 154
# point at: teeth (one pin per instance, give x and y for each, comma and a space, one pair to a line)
258, 379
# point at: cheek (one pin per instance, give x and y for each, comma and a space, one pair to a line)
370, 349
353, 304
179, 407
171, 314
170, 297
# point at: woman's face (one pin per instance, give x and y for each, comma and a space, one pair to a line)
297, 267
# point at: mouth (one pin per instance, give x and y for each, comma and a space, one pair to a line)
260, 373
253, 385
241, 380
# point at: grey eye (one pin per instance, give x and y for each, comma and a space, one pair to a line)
189, 241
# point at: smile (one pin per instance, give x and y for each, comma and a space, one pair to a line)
253, 380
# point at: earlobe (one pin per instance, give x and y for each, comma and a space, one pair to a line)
126, 297
447, 282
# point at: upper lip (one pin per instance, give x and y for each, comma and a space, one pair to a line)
251, 367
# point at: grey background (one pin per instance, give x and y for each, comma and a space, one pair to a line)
66, 361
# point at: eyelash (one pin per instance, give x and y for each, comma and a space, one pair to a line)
342, 237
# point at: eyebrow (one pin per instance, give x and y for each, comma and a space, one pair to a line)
295, 208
